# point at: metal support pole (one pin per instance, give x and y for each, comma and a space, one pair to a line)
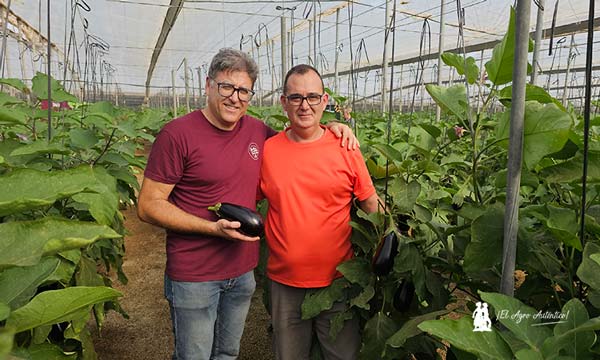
200, 102
571, 47
515, 150
173, 92
49, 70
283, 51
400, 94
539, 26
336, 81
384, 66
273, 87
3, 56
315, 33
259, 85
311, 60
187, 85
438, 110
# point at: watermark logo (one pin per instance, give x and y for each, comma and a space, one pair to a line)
547, 317
481, 318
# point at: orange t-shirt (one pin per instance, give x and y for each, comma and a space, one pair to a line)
309, 187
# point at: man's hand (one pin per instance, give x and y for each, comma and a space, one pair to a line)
344, 132
228, 229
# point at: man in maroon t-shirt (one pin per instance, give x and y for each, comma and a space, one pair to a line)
208, 156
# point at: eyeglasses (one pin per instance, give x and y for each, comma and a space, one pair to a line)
226, 90
311, 99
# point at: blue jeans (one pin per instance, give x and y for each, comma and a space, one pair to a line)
208, 317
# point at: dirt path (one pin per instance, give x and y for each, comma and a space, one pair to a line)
146, 335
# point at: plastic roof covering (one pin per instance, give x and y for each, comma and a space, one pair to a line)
131, 28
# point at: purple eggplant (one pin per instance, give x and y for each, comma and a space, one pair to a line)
403, 296
383, 261
252, 222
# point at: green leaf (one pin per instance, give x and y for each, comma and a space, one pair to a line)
24, 242
83, 138
362, 300
410, 328
40, 147
566, 336
528, 354
356, 270
6, 341
526, 328
377, 331
546, 130
532, 93
40, 89
485, 345
389, 152
4, 310
44, 352
405, 195
458, 62
316, 302
27, 189
500, 67
54, 306
19, 284
6, 99
451, 99
562, 223
485, 249
589, 269
572, 170
10, 116
16, 83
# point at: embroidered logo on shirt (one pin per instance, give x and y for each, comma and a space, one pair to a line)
253, 151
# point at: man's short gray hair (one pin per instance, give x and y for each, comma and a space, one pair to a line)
228, 59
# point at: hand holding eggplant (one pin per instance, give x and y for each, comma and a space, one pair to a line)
250, 222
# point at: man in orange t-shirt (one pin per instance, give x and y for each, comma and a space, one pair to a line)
309, 181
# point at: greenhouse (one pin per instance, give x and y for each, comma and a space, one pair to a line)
469, 227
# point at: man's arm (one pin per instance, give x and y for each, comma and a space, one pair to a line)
155, 208
371, 204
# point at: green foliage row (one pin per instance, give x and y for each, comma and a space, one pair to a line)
60, 221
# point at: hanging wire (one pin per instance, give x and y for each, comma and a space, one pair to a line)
425, 38
392, 28
553, 27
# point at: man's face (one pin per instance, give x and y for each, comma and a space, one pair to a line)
304, 113
226, 110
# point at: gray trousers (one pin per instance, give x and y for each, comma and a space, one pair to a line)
292, 336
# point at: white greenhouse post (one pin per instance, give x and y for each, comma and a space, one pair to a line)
49, 69
283, 51
173, 92
537, 45
515, 150
310, 44
187, 85
386, 49
400, 92
199, 87
336, 82
315, 33
438, 110
259, 85
273, 86
567, 72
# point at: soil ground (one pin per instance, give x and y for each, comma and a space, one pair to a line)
147, 335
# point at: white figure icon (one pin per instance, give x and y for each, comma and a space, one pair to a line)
481, 318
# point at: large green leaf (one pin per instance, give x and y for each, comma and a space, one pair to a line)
572, 170
500, 67
104, 203
376, 333
40, 89
27, 189
410, 328
24, 242
526, 327
485, 249
4, 311
41, 147
589, 269
546, 130
405, 195
54, 306
83, 138
9, 116
356, 270
485, 345
44, 351
532, 93
6, 99
451, 99
575, 343
16, 83
19, 284
458, 62
323, 299
6, 341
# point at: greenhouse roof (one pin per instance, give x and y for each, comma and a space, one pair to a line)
115, 41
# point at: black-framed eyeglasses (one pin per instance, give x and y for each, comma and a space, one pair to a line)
226, 90
311, 99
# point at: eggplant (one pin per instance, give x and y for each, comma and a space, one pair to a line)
252, 222
383, 261
403, 296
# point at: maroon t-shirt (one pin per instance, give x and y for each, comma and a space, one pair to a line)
207, 166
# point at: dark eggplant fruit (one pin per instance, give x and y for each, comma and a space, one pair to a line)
383, 261
252, 222
403, 296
